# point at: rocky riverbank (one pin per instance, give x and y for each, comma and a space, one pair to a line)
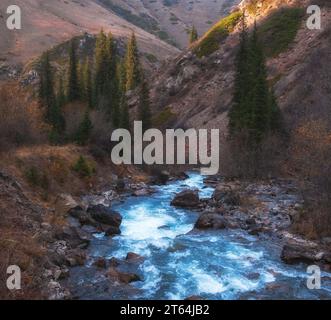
265, 210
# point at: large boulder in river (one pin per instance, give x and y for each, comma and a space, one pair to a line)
211, 221
186, 199
105, 215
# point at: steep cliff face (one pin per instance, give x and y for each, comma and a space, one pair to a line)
196, 88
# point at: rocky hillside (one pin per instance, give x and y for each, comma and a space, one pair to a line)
47, 23
171, 19
196, 89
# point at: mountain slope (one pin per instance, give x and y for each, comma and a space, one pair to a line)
199, 90
49, 22
170, 19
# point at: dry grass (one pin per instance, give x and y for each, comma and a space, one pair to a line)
311, 154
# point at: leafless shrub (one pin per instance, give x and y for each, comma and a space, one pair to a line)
240, 159
20, 119
311, 161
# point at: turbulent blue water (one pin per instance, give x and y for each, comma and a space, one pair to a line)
214, 265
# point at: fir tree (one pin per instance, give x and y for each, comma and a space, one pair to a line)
86, 83
113, 96
239, 113
61, 97
84, 130
101, 69
132, 65
144, 106
254, 104
193, 35
123, 107
73, 83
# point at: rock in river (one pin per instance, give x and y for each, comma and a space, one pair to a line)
105, 215
186, 199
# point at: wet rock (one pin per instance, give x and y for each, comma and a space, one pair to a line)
211, 221
122, 277
112, 231
105, 215
133, 257
100, 263
186, 199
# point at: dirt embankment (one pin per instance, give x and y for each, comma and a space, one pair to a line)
37, 187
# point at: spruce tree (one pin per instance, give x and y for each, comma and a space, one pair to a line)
84, 130
193, 35
73, 83
132, 65
113, 95
123, 106
255, 108
144, 106
239, 114
86, 83
101, 69
46, 87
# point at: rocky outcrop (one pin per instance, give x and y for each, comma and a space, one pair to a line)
301, 251
186, 199
101, 217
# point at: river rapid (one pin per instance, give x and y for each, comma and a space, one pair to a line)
179, 262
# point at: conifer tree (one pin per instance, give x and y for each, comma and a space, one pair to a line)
239, 113
123, 107
101, 69
73, 83
86, 83
193, 35
84, 130
46, 87
61, 97
144, 106
254, 105
132, 65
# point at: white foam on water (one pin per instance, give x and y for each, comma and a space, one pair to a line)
207, 283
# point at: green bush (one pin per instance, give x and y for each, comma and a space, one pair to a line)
210, 42
279, 30
37, 179
83, 167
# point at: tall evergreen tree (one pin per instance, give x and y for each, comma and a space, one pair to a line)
86, 83
113, 82
193, 35
239, 113
132, 65
73, 82
84, 130
101, 69
124, 120
46, 87
144, 106
254, 105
